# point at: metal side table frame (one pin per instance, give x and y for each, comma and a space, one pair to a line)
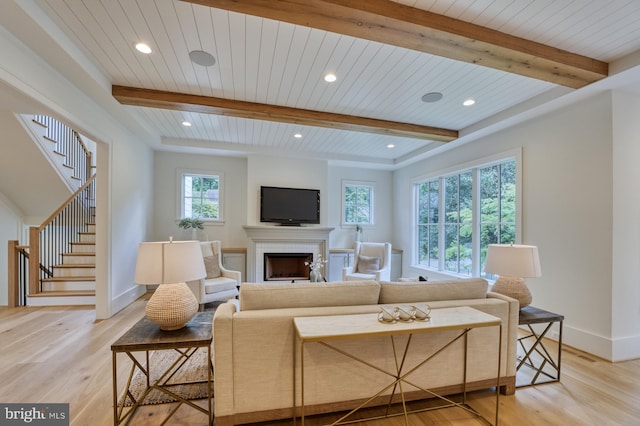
530, 315
146, 336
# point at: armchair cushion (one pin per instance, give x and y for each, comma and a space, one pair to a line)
368, 264
212, 266
219, 284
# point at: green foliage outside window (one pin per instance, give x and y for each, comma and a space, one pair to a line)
496, 218
201, 196
358, 204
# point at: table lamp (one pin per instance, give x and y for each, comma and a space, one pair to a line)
512, 263
169, 264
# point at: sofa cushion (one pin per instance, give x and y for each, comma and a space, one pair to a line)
212, 266
215, 285
405, 292
306, 295
368, 264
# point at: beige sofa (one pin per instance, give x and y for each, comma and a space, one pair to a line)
254, 346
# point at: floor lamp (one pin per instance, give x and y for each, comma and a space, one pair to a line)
170, 264
512, 263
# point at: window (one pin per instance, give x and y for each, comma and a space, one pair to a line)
201, 196
497, 207
357, 203
478, 208
428, 216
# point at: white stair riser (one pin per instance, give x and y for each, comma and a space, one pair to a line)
70, 259
87, 238
68, 285
61, 301
83, 248
74, 272
91, 227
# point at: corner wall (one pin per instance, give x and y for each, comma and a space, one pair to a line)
625, 330
567, 211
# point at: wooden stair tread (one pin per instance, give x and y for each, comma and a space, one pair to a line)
75, 265
79, 254
60, 293
83, 243
73, 278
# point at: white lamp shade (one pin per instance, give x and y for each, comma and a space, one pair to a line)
513, 260
168, 262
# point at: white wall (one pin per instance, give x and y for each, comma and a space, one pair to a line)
381, 231
626, 227
10, 225
167, 204
124, 169
567, 211
285, 172
242, 180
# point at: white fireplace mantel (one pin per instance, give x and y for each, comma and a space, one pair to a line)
292, 239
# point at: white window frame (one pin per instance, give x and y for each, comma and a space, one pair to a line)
474, 166
343, 204
180, 174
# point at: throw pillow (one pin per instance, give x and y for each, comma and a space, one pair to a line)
212, 266
368, 264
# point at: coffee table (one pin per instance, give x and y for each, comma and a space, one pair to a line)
325, 329
145, 336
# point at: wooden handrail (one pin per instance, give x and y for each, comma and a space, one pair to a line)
12, 266
66, 203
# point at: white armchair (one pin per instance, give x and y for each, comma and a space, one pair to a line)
371, 261
220, 284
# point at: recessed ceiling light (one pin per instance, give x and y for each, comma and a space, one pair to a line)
391, 146
469, 102
143, 47
330, 78
297, 135
432, 97
201, 57
186, 124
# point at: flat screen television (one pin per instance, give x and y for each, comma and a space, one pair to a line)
289, 206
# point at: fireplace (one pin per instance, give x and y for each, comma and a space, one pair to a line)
286, 266
283, 239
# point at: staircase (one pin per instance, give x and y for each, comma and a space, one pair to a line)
61, 254
74, 280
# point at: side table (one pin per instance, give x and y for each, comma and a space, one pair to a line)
146, 336
536, 356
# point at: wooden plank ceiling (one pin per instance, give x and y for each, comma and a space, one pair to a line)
267, 82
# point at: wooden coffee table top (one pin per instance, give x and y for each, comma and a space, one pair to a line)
146, 335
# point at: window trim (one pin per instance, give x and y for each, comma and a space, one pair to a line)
180, 193
372, 203
474, 166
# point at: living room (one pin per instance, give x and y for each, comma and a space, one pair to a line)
577, 165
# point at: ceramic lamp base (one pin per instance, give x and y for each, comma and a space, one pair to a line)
513, 287
171, 306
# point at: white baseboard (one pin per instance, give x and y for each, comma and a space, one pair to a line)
626, 348
125, 299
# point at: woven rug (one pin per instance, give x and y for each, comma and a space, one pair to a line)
183, 383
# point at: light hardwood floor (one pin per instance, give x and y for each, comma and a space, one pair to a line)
52, 354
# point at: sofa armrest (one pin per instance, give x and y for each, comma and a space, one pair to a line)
223, 358
512, 331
